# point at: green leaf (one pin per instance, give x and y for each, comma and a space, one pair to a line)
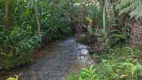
2, 53
84, 69
91, 67
85, 74
13, 78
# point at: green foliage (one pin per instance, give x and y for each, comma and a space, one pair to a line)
115, 64
115, 70
119, 37
94, 18
89, 74
132, 7
16, 48
94, 12
18, 41
103, 37
61, 22
115, 37
85, 74
120, 64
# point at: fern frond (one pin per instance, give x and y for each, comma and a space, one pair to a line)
134, 8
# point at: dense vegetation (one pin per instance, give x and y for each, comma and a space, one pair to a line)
27, 25
118, 57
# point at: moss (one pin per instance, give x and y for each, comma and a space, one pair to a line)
82, 39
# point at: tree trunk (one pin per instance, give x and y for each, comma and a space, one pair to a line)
37, 18
52, 12
107, 6
83, 12
104, 21
6, 2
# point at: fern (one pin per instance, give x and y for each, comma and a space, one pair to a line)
130, 6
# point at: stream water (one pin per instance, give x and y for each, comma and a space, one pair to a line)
55, 62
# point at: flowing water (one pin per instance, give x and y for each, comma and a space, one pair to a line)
55, 62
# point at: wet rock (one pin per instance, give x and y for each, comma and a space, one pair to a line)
96, 48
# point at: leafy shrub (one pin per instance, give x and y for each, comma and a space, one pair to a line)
85, 74
17, 48
116, 64
120, 64
115, 70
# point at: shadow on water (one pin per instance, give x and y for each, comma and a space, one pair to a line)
55, 62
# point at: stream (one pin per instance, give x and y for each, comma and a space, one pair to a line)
55, 62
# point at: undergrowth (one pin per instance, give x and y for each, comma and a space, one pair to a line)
115, 64
17, 46
84, 74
